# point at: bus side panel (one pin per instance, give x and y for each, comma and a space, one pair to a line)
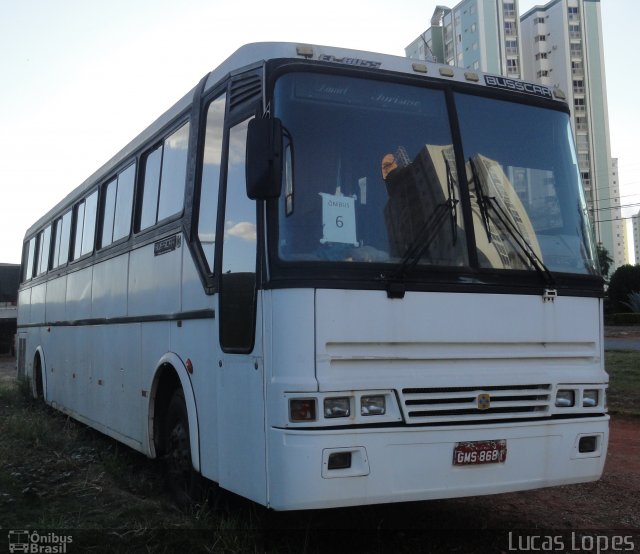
38, 297
193, 296
241, 420
71, 374
154, 283
79, 295
24, 307
27, 316
22, 348
53, 351
115, 379
197, 339
109, 293
153, 291
56, 298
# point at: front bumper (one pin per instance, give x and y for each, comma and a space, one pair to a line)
415, 463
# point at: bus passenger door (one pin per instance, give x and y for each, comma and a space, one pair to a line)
241, 436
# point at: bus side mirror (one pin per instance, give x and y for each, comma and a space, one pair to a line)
264, 159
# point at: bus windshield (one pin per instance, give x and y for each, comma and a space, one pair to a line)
370, 175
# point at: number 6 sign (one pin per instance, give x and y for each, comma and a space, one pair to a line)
338, 219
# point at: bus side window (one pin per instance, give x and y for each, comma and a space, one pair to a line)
108, 212
124, 203
89, 227
85, 227
238, 278
77, 232
116, 207
209, 186
164, 179
150, 187
63, 234
30, 252
174, 173
45, 243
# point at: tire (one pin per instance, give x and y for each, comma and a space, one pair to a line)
38, 389
183, 483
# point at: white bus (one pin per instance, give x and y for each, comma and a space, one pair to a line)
329, 278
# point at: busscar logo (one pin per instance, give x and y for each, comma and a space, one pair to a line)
38, 543
518, 86
164, 246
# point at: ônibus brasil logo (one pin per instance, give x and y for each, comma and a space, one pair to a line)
38, 543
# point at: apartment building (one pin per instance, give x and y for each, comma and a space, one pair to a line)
635, 222
562, 47
475, 34
620, 252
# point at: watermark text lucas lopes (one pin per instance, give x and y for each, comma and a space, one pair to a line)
574, 542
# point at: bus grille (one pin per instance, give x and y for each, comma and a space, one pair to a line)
475, 404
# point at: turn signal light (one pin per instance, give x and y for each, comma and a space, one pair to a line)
302, 409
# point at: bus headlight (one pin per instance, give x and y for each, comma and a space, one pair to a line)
302, 409
590, 398
372, 405
565, 398
337, 407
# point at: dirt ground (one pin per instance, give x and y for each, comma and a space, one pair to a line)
611, 503
622, 332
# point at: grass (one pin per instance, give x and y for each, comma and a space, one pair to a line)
624, 385
58, 474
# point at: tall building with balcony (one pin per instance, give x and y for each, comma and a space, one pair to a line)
475, 34
620, 252
635, 222
562, 47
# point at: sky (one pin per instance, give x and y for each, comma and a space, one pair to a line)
80, 78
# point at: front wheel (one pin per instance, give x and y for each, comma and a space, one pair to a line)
184, 483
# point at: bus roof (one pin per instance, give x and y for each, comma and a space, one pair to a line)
256, 54
263, 51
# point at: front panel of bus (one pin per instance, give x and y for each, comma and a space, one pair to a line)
432, 301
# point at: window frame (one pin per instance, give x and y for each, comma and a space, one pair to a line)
159, 144
74, 242
211, 269
104, 188
45, 247
57, 248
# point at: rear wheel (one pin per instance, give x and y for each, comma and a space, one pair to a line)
183, 482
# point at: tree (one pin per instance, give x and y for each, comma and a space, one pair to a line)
604, 259
624, 281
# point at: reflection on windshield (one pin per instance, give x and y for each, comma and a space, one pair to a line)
370, 175
524, 160
493, 190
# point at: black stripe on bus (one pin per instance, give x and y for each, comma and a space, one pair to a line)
182, 316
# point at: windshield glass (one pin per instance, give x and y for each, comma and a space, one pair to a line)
370, 176
369, 172
524, 186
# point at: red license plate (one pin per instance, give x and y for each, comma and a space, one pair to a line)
479, 452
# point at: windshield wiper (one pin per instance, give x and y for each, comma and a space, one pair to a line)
424, 238
485, 203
